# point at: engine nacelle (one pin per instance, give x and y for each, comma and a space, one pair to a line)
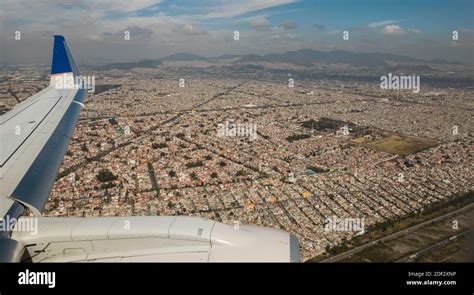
153, 239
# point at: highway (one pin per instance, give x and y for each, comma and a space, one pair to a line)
434, 246
351, 252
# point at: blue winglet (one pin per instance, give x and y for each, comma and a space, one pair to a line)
63, 61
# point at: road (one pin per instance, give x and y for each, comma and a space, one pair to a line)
434, 246
397, 234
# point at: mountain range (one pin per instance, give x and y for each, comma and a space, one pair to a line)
303, 57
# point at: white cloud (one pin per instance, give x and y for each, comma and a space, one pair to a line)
48, 10
235, 8
393, 30
260, 24
396, 30
374, 25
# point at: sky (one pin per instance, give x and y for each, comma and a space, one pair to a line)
95, 29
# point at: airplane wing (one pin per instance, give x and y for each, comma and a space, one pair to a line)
34, 136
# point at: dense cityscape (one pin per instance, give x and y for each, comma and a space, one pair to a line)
148, 143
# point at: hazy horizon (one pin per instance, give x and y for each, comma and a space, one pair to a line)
159, 28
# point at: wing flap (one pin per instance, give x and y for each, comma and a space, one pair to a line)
17, 128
